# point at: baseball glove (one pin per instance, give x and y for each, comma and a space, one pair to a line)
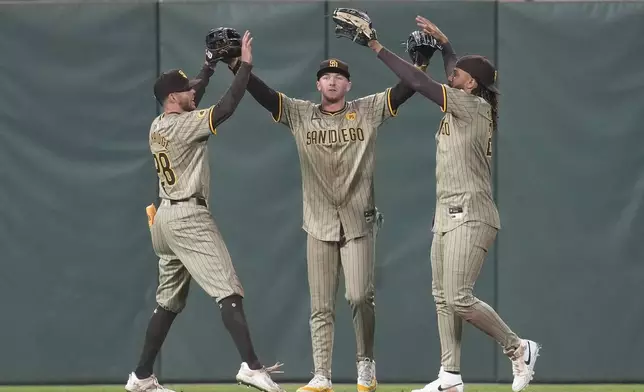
223, 43
353, 24
421, 47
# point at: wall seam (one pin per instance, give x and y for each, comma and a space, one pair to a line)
157, 17
495, 163
326, 29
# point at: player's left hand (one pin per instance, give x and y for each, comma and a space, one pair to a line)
354, 25
431, 29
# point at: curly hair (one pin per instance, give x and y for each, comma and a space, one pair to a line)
492, 99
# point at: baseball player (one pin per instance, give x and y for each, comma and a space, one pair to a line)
184, 234
466, 219
336, 141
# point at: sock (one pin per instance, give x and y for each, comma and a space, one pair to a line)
232, 313
158, 328
447, 371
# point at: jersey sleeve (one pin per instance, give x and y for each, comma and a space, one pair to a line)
460, 104
198, 124
377, 107
291, 110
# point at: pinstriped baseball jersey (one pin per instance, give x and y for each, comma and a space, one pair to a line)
337, 162
178, 143
463, 162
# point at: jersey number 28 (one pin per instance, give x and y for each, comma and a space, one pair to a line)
162, 163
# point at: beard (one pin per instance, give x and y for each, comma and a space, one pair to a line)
333, 97
187, 105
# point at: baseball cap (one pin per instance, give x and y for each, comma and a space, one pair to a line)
334, 65
173, 81
481, 69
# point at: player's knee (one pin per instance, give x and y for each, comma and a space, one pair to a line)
357, 298
461, 305
175, 307
173, 298
320, 307
439, 297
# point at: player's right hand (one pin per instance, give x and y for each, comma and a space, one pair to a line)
431, 29
246, 50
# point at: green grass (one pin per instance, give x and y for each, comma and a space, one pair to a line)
337, 388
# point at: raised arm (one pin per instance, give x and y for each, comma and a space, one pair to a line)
230, 100
420, 48
399, 94
412, 76
356, 25
449, 57
204, 78
264, 95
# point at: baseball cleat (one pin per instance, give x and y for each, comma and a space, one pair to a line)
150, 384
367, 376
523, 366
318, 383
446, 382
259, 379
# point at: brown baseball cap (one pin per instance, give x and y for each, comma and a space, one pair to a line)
334, 66
481, 69
173, 81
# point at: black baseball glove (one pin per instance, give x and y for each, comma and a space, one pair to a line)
353, 24
222, 44
421, 47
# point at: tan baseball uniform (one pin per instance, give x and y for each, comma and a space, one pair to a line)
336, 153
184, 234
465, 223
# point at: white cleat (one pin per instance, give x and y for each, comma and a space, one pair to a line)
367, 376
446, 382
318, 383
150, 384
260, 378
523, 367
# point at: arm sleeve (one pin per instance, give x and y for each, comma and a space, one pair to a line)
414, 77
399, 94
204, 78
283, 109
229, 102
265, 96
449, 59
200, 124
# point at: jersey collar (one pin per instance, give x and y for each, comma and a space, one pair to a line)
344, 108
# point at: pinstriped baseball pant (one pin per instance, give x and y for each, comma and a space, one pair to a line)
189, 245
457, 257
357, 260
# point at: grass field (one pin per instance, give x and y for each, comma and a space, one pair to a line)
337, 388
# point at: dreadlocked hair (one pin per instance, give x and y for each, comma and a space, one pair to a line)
492, 99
